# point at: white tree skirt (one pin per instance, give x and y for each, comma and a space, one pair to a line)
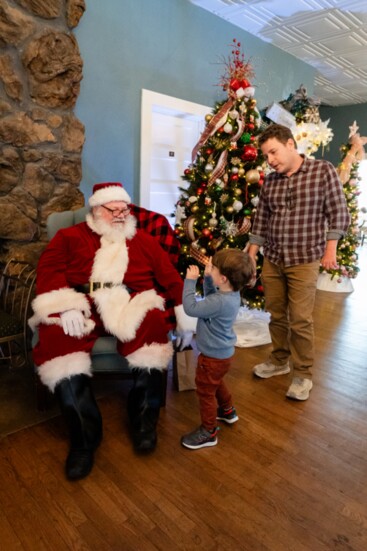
325, 283
252, 328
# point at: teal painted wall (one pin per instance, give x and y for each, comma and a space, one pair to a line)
167, 46
341, 118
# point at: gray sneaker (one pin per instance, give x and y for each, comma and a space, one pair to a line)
299, 389
200, 438
268, 369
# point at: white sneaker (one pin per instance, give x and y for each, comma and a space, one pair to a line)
268, 369
299, 389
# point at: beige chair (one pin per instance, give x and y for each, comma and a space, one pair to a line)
106, 362
16, 292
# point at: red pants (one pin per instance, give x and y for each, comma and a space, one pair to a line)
54, 343
210, 388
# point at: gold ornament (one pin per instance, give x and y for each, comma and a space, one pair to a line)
208, 117
229, 209
252, 176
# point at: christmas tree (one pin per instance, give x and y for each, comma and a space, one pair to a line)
217, 206
352, 153
309, 131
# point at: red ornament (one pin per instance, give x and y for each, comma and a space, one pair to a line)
244, 83
209, 151
206, 232
260, 288
200, 191
234, 84
249, 153
250, 126
187, 171
234, 177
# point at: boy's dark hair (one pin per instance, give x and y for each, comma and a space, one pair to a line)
277, 131
236, 265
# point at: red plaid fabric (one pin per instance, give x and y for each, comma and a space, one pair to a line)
158, 226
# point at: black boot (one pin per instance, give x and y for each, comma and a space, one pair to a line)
84, 422
144, 401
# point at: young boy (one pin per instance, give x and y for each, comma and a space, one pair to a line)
225, 274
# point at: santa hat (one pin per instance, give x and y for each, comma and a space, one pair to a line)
106, 192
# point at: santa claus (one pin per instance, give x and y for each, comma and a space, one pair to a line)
95, 278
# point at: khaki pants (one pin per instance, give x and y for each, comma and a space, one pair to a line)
289, 298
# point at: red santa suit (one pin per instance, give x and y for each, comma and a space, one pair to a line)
123, 269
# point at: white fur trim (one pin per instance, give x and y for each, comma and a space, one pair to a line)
64, 367
152, 356
108, 194
57, 301
122, 316
184, 322
110, 262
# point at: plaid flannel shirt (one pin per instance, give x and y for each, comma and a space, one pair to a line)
297, 214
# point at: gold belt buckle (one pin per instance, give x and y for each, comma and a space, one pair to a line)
91, 287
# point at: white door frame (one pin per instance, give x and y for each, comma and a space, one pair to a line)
155, 102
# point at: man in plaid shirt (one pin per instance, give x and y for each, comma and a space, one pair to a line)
301, 215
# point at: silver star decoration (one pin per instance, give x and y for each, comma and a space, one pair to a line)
353, 129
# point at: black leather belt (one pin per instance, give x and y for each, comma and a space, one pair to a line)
89, 288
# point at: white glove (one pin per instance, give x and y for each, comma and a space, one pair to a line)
72, 323
183, 339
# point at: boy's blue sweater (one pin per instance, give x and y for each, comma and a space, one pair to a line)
216, 314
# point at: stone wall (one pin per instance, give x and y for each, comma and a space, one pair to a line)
41, 140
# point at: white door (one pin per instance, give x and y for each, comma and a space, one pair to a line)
170, 129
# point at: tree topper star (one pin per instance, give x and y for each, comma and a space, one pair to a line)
353, 129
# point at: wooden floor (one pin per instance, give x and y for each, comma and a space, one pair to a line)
288, 476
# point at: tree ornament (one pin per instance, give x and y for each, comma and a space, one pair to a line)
252, 176
234, 114
229, 209
245, 138
192, 199
237, 205
228, 128
208, 117
209, 168
249, 153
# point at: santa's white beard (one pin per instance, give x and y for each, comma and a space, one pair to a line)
116, 230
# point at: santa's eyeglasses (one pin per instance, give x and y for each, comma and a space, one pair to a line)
117, 212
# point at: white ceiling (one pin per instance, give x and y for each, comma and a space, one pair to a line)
330, 35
